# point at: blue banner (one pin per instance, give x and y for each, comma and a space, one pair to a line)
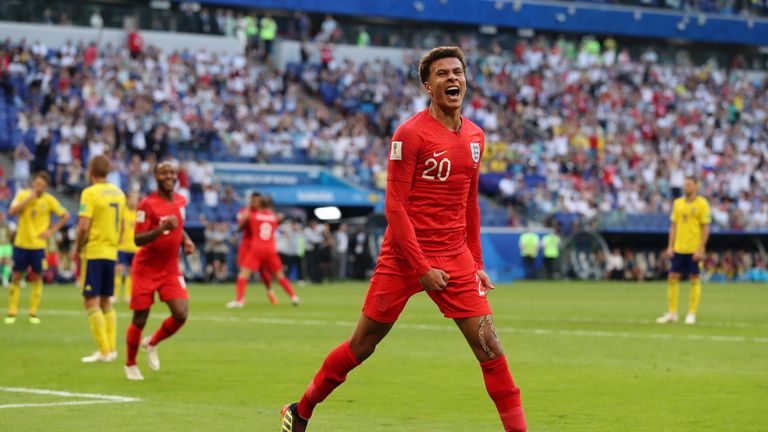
296, 185
550, 16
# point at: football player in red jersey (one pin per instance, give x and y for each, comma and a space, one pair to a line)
263, 253
432, 244
244, 222
160, 234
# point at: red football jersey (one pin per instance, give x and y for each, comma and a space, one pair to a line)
247, 234
263, 227
431, 199
161, 255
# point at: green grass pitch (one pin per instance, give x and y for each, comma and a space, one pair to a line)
587, 356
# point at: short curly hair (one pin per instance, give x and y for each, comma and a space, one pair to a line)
438, 54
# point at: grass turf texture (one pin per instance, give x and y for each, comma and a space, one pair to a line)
587, 356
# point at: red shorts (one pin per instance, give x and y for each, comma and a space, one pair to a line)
394, 282
258, 259
169, 287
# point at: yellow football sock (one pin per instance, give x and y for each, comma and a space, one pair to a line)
13, 299
99, 329
673, 292
110, 316
128, 286
118, 283
35, 296
695, 295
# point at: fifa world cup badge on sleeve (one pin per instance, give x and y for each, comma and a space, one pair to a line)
475, 147
397, 151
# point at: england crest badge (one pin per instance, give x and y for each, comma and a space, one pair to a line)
475, 147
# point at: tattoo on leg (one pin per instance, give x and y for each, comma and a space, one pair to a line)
481, 334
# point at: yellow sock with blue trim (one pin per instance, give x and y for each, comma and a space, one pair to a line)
673, 293
99, 329
118, 284
128, 286
110, 317
36, 294
693, 305
13, 299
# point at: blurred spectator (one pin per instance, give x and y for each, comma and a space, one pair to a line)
341, 250
21, 165
614, 265
329, 30
96, 21
529, 250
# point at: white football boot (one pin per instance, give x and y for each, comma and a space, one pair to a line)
153, 361
133, 373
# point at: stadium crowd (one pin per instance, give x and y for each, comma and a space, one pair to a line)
579, 127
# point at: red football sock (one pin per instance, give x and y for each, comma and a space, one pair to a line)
286, 284
501, 388
132, 338
331, 375
266, 277
166, 330
242, 284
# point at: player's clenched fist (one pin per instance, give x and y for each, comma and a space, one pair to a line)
434, 280
169, 222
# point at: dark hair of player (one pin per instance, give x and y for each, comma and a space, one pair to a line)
692, 178
43, 175
438, 54
99, 166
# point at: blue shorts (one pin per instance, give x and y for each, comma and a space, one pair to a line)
28, 259
684, 264
98, 278
125, 258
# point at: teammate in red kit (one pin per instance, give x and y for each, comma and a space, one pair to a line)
432, 244
244, 216
263, 254
160, 234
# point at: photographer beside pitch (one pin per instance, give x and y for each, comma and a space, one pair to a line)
432, 244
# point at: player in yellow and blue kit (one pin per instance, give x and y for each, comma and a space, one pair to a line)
688, 235
126, 249
34, 207
102, 207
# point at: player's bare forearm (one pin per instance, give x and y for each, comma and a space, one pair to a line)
83, 229
58, 225
704, 238
672, 233
16, 209
146, 237
189, 245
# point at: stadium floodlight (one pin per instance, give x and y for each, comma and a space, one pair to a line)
328, 213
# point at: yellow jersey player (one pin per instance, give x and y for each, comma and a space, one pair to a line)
100, 218
126, 249
688, 235
34, 207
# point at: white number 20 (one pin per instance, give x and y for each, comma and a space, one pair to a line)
443, 169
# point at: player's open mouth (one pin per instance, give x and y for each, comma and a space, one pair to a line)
453, 91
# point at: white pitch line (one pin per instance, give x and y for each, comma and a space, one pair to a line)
95, 398
582, 320
433, 327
